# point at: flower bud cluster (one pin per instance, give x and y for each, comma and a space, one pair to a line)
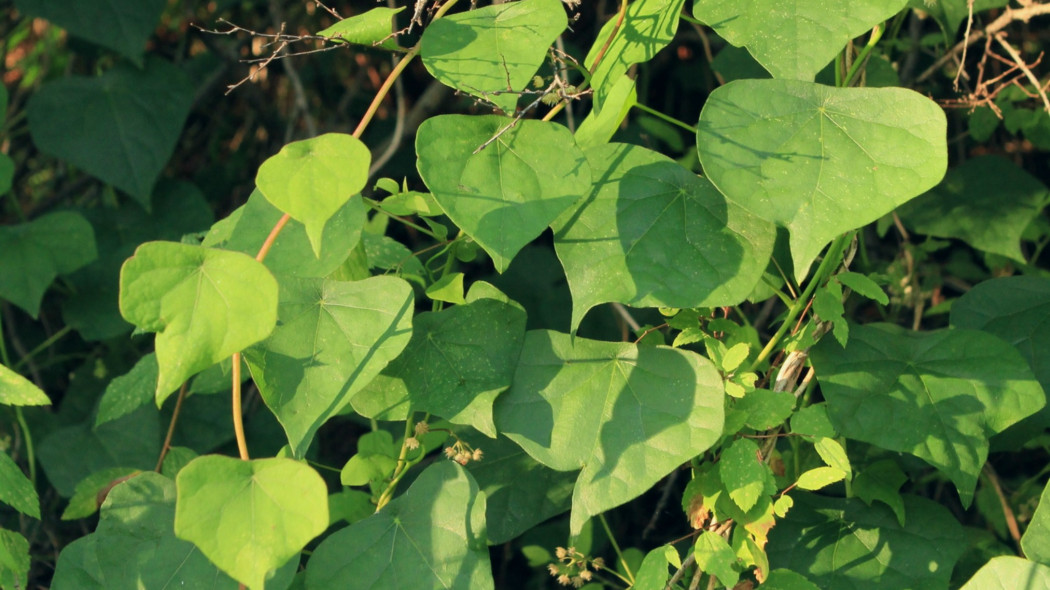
572, 567
462, 453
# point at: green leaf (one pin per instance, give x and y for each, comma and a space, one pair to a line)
458, 361
715, 557
827, 304
791, 38
744, 474
765, 409
7, 173
312, 179
652, 233
448, 288
505, 195
882, 481
38, 251
787, 580
247, 228
626, 415
121, 25
14, 560
85, 499
819, 477
137, 114
16, 390
833, 455
349, 506
842, 543
433, 536
372, 28
521, 493
813, 421
70, 454
605, 118
652, 574
819, 160
204, 304
1036, 539
134, 545
334, 338
986, 201
249, 517
648, 27
1007, 572
944, 392
495, 49
129, 392
864, 286
15, 488
1016, 309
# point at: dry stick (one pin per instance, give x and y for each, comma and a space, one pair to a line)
171, 426
1007, 17
1024, 68
962, 60
1008, 513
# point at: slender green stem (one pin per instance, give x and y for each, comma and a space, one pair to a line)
862, 57
664, 117
616, 548
400, 469
42, 347
831, 259
30, 449
375, 206
838, 69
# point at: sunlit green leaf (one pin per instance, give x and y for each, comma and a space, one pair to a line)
312, 179
204, 304
432, 537
744, 473
845, 544
626, 415
1036, 539
1010, 573
505, 195
653, 574
14, 560
938, 395
654, 234
334, 337
794, 38
15, 488
819, 160
34, 253
492, 50
372, 28
715, 557
137, 114
605, 118
16, 390
249, 517
647, 27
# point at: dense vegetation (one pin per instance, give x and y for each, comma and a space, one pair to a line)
650, 294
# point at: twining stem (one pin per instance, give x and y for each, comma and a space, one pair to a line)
616, 548
28, 436
831, 259
238, 419
862, 57
42, 346
666, 118
400, 469
171, 426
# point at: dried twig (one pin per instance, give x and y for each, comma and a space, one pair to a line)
1024, 68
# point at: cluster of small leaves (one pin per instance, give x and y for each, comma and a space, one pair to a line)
810, 444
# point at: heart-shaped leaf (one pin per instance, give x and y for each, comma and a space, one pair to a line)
652, 233
505, 195
626, 415
433, 536
204, 304
818, 160
794, 38
137, 114
372, 28
249, 517
334, 337
1006, 572
121, 25
458, 361
492, 52
312, 179
986, 201
831, 541
944, 392
38, 251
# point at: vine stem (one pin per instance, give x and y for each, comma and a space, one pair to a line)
399, 471
616, 548
831, 259
862, 57
238, 419
42, 346
28, 436
171, 426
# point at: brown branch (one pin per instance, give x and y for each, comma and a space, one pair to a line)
1024, 68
